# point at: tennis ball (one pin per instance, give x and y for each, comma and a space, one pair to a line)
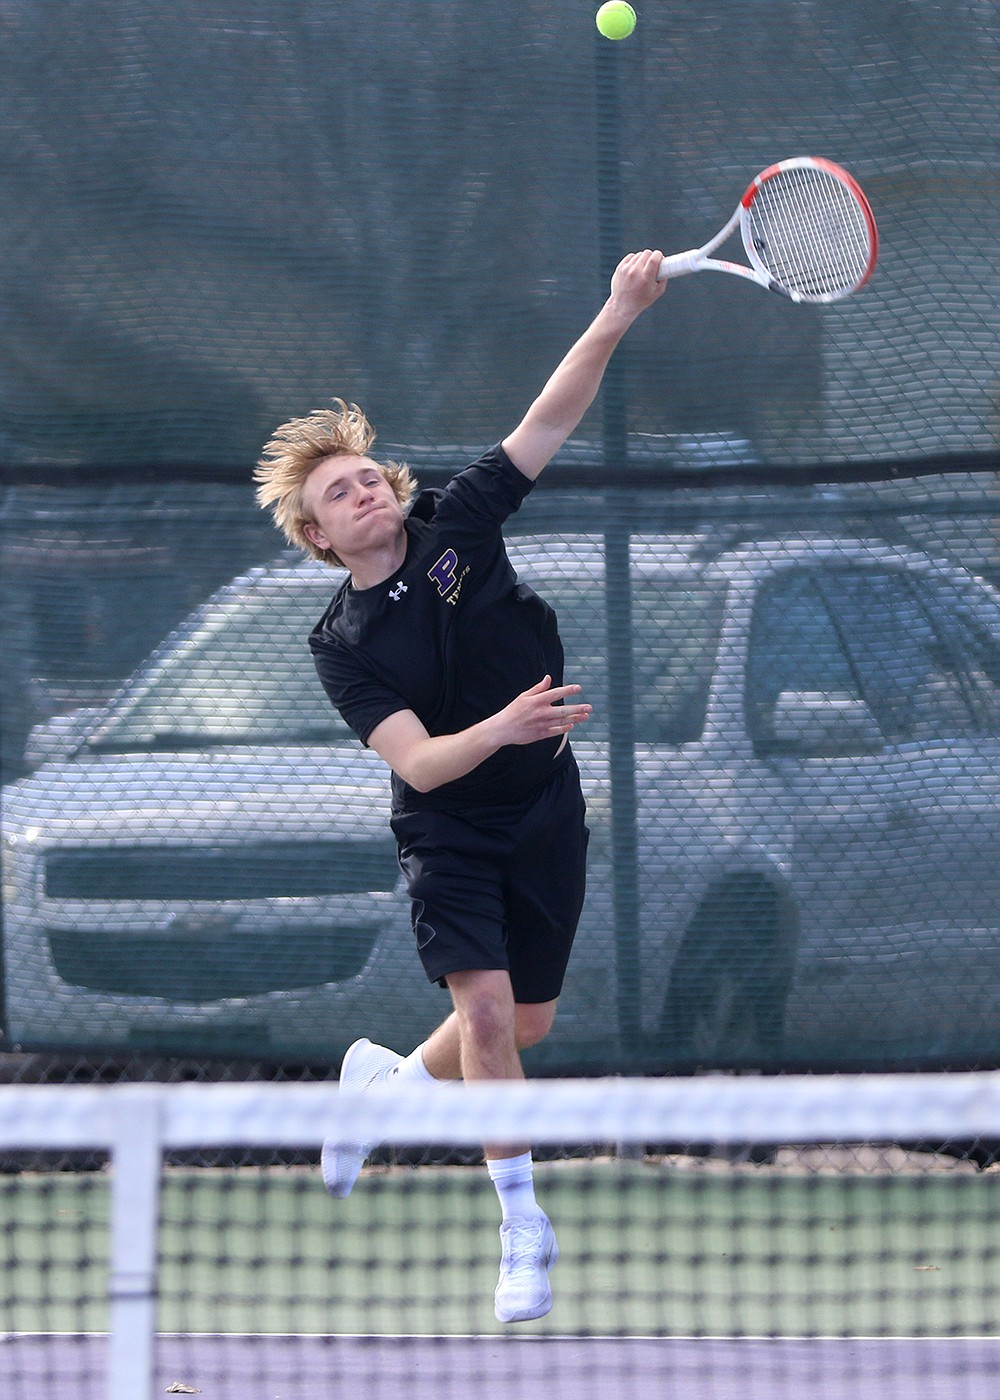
616, 19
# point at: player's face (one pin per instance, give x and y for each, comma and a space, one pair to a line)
354, 509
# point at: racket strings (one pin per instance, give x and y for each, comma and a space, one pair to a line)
808, 230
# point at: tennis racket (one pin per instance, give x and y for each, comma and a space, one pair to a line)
808, 230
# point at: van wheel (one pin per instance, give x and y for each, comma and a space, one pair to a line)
725, 1002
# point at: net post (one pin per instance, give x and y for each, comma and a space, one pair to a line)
135, 1191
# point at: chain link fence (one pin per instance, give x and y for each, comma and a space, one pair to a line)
771, 547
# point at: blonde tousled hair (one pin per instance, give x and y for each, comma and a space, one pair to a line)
297, 447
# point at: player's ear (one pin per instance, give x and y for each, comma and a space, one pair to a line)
315, 536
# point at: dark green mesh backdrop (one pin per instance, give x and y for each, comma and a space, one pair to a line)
216, 216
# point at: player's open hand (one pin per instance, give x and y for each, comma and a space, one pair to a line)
537, 714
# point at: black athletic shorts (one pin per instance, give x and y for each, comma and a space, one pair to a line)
499, 887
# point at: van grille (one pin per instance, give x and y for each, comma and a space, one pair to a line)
257, 870
198, 967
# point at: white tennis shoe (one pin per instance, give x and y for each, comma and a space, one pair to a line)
529, 1252
364, 1064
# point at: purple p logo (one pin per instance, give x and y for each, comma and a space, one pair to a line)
444, 572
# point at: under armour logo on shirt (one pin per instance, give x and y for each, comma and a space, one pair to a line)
396, 593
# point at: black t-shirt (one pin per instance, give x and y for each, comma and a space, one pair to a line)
453, 637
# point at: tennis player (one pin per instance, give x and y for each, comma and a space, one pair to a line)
452, 671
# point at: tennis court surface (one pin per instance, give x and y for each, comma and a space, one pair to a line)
307, 1368
720, 1237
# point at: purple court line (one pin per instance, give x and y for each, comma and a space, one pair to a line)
261, 1367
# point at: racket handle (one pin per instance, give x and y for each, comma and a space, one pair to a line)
679, 264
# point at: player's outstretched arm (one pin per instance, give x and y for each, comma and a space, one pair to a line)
574, 383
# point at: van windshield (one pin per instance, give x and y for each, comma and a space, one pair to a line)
243, 674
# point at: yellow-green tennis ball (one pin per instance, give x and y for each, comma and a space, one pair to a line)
616, 19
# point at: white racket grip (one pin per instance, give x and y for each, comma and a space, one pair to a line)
679, 264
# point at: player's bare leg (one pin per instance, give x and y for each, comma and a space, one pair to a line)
490, 1026
442, 1050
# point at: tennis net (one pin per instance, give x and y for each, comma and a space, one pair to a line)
720, 1237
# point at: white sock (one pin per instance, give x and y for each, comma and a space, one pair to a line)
512, 1177
412, 1069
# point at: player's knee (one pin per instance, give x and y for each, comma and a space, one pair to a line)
532, 1023
487, 1018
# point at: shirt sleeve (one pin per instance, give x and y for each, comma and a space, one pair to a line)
485, 493
361, 698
